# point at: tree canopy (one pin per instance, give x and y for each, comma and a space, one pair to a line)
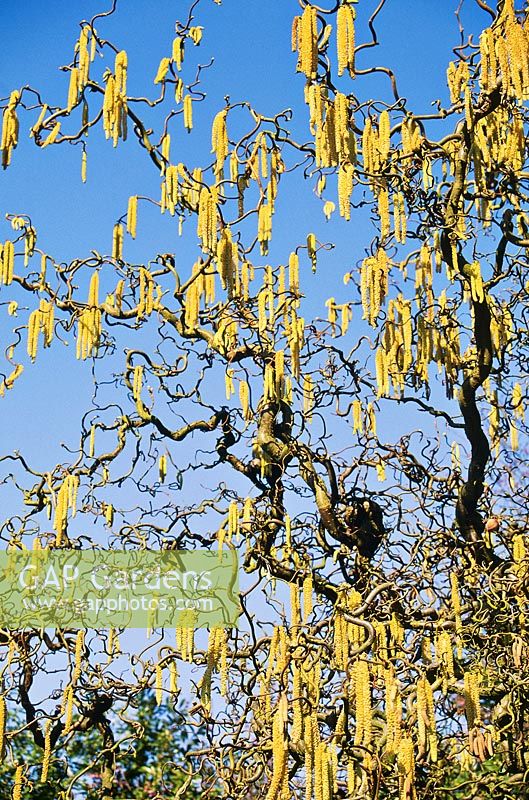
364, 453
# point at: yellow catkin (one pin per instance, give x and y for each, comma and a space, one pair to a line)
219, 141
399, 217
445, 654
223, 662
371, 420
73, 89
188, 113
7, 264
163, 69
295, 34
345, 189
85, 55
162, 467
158, 684
78, 656
137, 382
308, 42
33, 333
66, 499
279, 749
227, 260
46, 757
307, 596
178, 51
345, 39
117, 242
132, 215
115, 101
472, 698
308, 397
173, 678
519, 553
207, 218
295, 608
296, 732
264, 227
383, 211
363, 709
293, 273
47, 316
166, 149
384, 129
244, 398
358, 422
52, 136
406, 768
67, 707
17, 782
10, 126
426, 733
393, 710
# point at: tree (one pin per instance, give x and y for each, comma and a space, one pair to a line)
359, 463
153, 741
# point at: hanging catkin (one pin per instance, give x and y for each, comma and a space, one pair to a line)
345, 39
132, 215
115, 101
67, 707
219, 141
207, 218
9, 139
7, 262
279, 749
78, 656
406, 768
307, 42
17, 782
363, 709
46, 756
188, 113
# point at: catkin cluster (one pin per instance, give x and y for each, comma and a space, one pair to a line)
376, 144
148, 294
374, 284
305, 41
208, 218
66, 501
85, 49
89, 322
227, 261
185, 641
115, 107
504, 51
426, 730
40, 320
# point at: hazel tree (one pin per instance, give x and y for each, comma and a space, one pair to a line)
366, 460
